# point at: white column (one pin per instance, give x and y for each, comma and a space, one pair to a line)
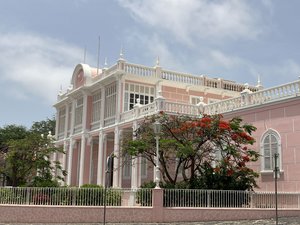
70, 159
64, 158
101, 156
92, 164
116, 172
139, 177
134, 168
81, 164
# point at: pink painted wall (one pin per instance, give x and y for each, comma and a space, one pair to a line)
284, 117
74, 175
183, 95
87, 158
94, 214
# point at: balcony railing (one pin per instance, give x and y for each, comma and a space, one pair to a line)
269, 95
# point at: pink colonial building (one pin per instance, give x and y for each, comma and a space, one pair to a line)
102, 104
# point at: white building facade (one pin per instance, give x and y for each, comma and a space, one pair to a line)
101, 105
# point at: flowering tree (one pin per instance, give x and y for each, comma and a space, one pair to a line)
207, 151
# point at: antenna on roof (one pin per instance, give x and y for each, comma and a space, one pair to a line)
98, 55
121, 53
84, 54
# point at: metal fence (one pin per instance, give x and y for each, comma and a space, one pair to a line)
143, 197
229, 199
75, 196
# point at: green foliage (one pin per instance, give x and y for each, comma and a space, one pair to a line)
208, 151
44, 127
25, 155
89, 195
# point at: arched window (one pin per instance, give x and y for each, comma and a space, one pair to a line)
270, 144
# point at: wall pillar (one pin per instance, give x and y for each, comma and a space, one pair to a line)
81, 163
134, 167
116, 168
157, 204
70, 160
101, 157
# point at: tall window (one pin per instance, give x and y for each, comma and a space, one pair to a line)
69, 118
143, 167
78, 111
127, 166
270, 144
194, 100
110, 100
96, 106
137, 91
61, 120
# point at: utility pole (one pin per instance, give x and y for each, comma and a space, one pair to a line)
276, 173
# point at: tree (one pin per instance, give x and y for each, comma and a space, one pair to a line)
208, 151
26, 155
44, 127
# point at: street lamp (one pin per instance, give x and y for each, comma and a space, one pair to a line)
157, 129
276, 176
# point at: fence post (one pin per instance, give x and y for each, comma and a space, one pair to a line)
251, 199
208, 199
27, 196
157, 205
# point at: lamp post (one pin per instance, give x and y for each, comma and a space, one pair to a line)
276, 175
157, 129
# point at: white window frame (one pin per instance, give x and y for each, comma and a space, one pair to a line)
196, 98
127, 164
110, 100
78, 112
96, 104
144, 167
269, 133
61, 120
133, 91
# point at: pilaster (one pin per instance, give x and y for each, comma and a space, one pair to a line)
116, 172
82, 159
101, 156
70, 160
134, 168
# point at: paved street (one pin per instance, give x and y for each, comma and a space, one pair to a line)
281, 221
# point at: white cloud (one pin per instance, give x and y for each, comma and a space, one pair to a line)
33, 65
280, 73
191, 20
224, 60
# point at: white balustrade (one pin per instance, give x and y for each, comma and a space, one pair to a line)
182, 77
264, 96
128, 115
139, 70
181, 108
147, 109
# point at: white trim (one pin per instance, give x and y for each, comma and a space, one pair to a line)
262, 150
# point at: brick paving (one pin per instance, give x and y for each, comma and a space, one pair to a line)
281, 221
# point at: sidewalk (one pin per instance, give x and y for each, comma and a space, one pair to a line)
281, 221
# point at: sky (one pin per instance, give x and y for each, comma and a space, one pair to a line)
41, 42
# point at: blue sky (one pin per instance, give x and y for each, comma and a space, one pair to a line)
41, 42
